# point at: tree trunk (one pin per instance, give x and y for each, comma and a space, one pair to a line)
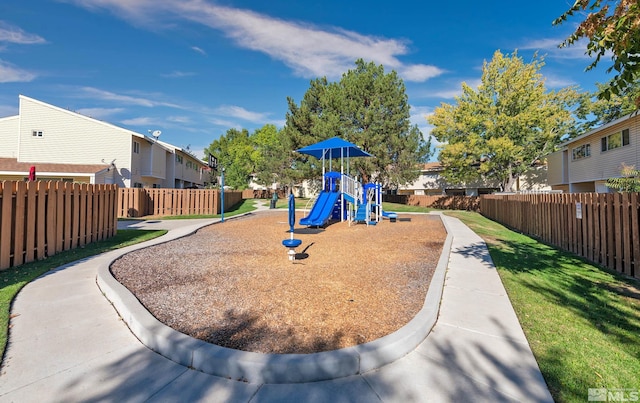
508, 187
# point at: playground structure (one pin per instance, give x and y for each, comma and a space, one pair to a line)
343, 197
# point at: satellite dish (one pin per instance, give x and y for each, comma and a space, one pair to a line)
156, 133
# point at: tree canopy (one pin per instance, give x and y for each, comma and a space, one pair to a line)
236, 153
501, 130
367, 107
628, 182
596, 111
610, 26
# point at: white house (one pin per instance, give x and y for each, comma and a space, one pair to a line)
586, 162
66, 145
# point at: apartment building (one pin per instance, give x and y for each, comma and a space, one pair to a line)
65, 145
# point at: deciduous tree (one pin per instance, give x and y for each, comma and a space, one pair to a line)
611, 27
501, 130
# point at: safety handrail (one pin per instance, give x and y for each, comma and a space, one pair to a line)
351, 187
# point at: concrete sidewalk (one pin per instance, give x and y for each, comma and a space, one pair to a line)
67, 343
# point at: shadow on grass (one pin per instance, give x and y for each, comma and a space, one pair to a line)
565, 280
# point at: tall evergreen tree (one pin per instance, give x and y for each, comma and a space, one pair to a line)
369, 108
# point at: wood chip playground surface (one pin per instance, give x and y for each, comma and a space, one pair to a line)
232, 284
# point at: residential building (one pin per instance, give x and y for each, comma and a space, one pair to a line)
586, 162
431, 183
65, 145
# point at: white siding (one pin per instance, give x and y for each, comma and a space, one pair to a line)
555, 173
68, 137
606, 164
9, 128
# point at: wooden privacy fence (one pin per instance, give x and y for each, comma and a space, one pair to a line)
40, 219
601, 227
140, 202
437, 202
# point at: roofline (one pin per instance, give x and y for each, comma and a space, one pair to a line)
110, 125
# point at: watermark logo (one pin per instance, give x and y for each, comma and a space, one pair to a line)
613, 395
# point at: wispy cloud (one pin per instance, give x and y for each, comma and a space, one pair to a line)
199, 50
147, 101
140, 121
224, 123
12, 74
453, 91
13, 34
310, 51
99, 113
178, 74
241, 113
178, 119
549, 47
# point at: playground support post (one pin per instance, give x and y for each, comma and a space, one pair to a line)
222, 195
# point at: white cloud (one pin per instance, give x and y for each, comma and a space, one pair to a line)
178, 119
178, 74
241, 113
453, 91
12, 34
8, 110
145, 100
99, 113
553, 81
199, 50
141, 121
310, 51
225, 123
419, 115
549, 47
12, 74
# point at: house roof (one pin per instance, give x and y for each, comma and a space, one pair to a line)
432, 166
12, 165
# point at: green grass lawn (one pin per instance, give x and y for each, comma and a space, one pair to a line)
244, 206
14, 278
582, 321
403, 208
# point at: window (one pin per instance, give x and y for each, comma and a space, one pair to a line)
580, 152
615, 140
136, 147
137, 185
179, 159
36, 133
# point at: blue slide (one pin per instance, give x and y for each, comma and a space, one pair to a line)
321, 210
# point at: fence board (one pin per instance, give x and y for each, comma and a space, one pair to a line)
626, 232
52, 210
607, 233
5, 225
32, 213
19, 224
635, 233
40, 217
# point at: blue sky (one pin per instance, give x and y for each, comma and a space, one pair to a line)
195, 68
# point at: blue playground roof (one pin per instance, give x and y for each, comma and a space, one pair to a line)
334, 147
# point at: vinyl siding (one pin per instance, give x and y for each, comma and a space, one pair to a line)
555, 174
606, 164
9, 136
69, 137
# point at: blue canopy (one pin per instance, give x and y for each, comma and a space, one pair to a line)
334, 147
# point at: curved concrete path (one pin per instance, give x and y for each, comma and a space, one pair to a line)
67, 343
